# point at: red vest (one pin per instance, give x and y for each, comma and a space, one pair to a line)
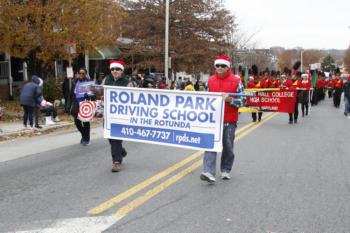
227, 84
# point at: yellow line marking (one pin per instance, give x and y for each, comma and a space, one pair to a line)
140, 200
241, 129
115, 200
123, 211
122, 196
243, 134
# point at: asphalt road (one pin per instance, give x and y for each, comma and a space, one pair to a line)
286, 178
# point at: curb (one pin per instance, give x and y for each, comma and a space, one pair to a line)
34, 132
43, 131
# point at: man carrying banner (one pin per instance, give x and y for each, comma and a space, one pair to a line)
116, 78
223, 81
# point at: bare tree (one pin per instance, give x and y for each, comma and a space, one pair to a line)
199, 30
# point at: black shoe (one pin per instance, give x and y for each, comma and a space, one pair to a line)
290, 122
38, 126
295, 121
259, 119
124, 152
254, 120
345, 114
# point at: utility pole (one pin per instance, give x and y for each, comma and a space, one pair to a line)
166, 60
301, 60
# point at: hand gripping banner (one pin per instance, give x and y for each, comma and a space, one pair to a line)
87, 110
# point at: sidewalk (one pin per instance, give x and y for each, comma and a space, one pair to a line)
11, 130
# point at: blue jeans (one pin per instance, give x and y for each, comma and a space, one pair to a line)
347, 105
227, 155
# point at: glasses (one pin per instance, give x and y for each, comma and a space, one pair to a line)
220, 65
116, 69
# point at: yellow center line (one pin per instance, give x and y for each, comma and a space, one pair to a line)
115, 200
246, 126
126, 194
123, 211
243, 134
153, 192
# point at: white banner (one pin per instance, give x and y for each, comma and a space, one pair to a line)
315, 66
167, 117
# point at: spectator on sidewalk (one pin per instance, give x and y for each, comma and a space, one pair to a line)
226, 82
29, 93
37, 106
116, 78
48, 109
347, 97
77, 97
189, 86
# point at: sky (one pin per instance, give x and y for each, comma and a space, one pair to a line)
310, 24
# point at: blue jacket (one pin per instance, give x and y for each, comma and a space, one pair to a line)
30, 92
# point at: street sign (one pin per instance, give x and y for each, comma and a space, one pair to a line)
71, 48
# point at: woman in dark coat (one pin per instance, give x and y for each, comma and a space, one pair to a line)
29, 94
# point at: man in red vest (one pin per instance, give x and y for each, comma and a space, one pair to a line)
226, 82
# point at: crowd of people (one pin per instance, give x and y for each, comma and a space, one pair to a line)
309, 92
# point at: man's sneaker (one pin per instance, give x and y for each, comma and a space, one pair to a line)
225, 176
116, 167
86, 143
206, 176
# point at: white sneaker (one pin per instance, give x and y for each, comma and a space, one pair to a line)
225, 176
48, 121
206, 176
349, 117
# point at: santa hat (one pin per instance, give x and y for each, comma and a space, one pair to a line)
222, 60
116, 64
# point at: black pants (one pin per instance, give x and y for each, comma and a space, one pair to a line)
84, 129
336, 97
36, 115
330, 93
117, 150
259, 116
295, 114
28, 115
49, 111
305, 108
314, 98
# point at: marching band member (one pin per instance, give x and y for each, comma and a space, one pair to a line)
304, 94
338, 88
293, 84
